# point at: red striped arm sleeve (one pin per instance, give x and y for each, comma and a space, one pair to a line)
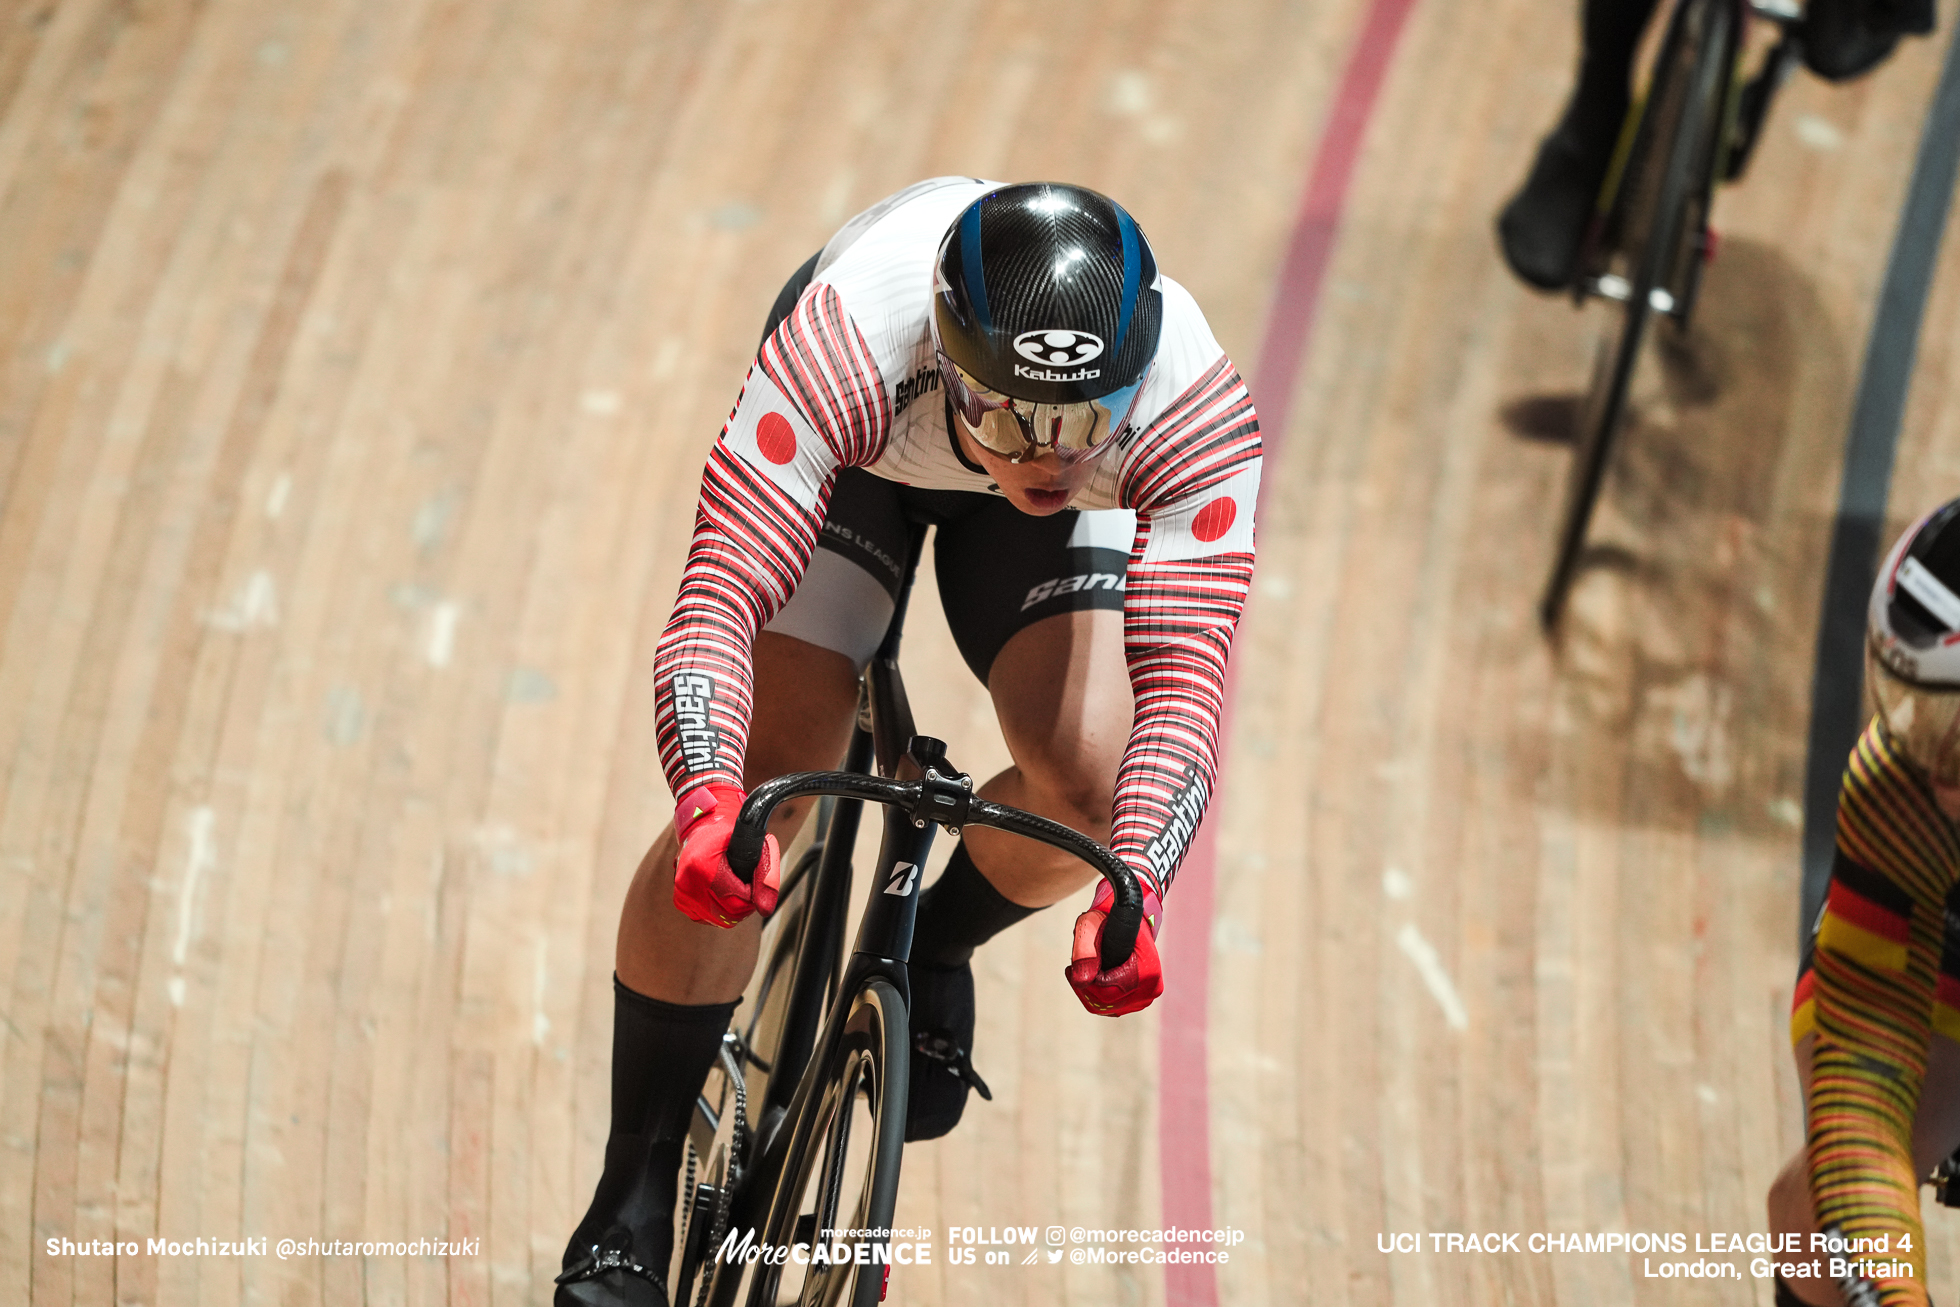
813, 402
1194, 485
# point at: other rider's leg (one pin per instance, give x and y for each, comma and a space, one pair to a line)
676, 980
1540, 230
1061, 692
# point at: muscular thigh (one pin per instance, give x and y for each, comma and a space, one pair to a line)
805, 697
1062, 693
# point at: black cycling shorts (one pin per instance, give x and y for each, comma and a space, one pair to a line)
999, 570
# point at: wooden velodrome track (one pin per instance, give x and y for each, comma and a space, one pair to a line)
360, 359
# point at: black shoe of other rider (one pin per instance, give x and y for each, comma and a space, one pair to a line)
1844, 38
1541, 229
942, 1044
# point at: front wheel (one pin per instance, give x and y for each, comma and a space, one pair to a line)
840, 1172
1659, 215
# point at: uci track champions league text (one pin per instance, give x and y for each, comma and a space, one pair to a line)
1713, 1255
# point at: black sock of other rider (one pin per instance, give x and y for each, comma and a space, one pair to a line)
661, 1056
959, 913
1542, 227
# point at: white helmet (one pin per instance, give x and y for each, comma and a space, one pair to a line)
1912, 662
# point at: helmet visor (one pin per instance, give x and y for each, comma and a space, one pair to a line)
1019, 429
1922, 722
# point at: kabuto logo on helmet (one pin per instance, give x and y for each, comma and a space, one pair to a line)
1058, 348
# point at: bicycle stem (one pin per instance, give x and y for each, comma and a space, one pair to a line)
947, 801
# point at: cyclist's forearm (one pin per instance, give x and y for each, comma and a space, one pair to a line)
1875, 974
1179, 624
745, 560
1863, 1179
1873, 969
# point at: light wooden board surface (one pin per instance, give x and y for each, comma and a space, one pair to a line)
359, 361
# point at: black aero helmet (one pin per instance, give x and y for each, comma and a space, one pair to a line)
1046, 313
1913, 643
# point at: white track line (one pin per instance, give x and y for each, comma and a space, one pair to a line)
1423, 954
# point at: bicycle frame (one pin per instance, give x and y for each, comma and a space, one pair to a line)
884, 721
920, 791
813, 1023
1695, 125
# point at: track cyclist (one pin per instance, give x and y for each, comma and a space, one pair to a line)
1006, 364
1876, 1021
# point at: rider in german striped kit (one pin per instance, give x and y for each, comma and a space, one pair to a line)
1876, 1018
1006, 365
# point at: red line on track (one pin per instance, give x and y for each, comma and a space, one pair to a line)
1184, 1108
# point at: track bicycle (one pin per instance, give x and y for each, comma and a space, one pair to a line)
797, 1137
1697, 125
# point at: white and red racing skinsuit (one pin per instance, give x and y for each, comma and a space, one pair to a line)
850, 379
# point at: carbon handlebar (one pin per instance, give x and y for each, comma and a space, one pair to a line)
939, 799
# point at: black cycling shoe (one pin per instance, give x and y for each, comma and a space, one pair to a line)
1541, 229
607, 1275
942, 1040
1845, 38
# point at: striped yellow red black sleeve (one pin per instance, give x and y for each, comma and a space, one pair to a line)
1873, 990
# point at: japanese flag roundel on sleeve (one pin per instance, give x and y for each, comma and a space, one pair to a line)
1215, 520
771, 435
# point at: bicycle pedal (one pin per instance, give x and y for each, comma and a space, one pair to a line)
955, 1059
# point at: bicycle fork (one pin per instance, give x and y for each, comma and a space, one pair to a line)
881, 950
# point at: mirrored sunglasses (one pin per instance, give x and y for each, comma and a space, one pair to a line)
1019, 429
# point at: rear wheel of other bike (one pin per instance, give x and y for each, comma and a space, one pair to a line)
840, 1172
1660, 217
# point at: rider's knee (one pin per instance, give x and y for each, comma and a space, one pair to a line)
1071, 775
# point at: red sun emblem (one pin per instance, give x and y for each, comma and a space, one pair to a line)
777, 439
1214, 519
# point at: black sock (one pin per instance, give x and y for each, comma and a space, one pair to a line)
1786, 1296
1612, 31
661, 1054
959, 913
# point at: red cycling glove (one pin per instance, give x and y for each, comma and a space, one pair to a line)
706, 888
1133, 985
